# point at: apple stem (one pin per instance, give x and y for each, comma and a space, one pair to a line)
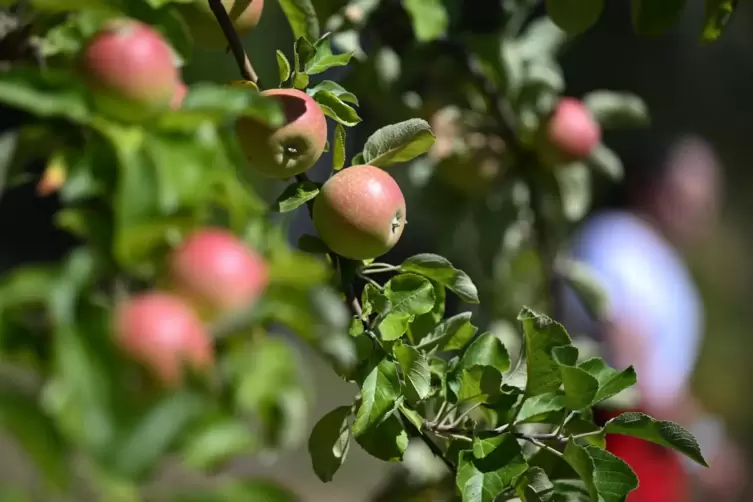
234, 41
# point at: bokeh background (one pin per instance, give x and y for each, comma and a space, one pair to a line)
706, 90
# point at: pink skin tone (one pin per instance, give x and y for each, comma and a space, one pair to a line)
360, 212
161, 332
179, 95
131, 61
217, 271
573, 130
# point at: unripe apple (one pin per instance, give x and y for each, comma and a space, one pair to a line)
179, 94
360, 212
162, 333
245, 15
472, 174
218, 272
571, 133
131, 70
292, 148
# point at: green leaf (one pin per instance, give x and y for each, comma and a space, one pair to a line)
300, 80
394, 325
424, 324
387, 441
416, 373
611, 381
486, 350
574, 16
586, 286
439, 269
218, 442
336, 108
717, 15
219, 103
664, 433
482, 480
49, 93
412, 416
605, 161
535, 486
410, 294
323, 59
479, 384
283, 66
302, 18
607, 477
485, 443
155, 433
651, 18
329, 442
540, 405
574, 181
379, 391
429, 17
374, 302
542, 335
398, 143
334, 88
580, 386
452, 334
338, 148
295, 195
617, 109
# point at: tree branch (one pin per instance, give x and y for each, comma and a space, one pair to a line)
234, 41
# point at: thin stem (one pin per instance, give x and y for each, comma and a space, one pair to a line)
538, 443
234, 41
459, 420
435, 449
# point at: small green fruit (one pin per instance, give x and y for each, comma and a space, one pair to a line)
360, 212
204, 28
292, 148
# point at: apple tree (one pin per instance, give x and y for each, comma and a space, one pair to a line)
157, 339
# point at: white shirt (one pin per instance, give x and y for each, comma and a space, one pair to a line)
646, 280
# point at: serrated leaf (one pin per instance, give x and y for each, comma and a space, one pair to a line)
379, 390
541, 404
426, 323
336, 108
416, 372
302, 18
482, 480
604, 160
479, 384
387, 441
394, 325
661, 432
300, 80
617, 109
574, 16
611, 381
429, 17
486, 443
283, 66
410, 293
303, 51
398, 143
329, 443
452, 334
580, 386
323, 58
336, 89
373, 301
651, 18
338, 149
535, 486
716, 16
295, 195
439, 269
607, 477
486, 350
542, 335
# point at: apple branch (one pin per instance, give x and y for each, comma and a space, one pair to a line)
234, 41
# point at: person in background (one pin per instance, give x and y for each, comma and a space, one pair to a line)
668, 201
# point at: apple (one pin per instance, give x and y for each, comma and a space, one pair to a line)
218, 272
571, 133
130, 69
179, 94
161, 332
292, 148
207, 33
360, 212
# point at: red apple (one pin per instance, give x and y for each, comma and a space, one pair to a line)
218, 272
161, 332
292, 148
360, 212
245, 15
179, 94
572, 131
130, 68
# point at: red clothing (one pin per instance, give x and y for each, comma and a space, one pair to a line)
659, 470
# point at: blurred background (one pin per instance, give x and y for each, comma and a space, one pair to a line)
687, 87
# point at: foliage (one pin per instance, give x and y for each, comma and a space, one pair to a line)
504, 425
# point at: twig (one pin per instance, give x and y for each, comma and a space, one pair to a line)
435, 449
545, 446
234, 41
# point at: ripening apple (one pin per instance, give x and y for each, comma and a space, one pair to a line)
292, 148
217, 272
204, 28
179, 94
360, 212
161, 332
570, 134
130, 69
